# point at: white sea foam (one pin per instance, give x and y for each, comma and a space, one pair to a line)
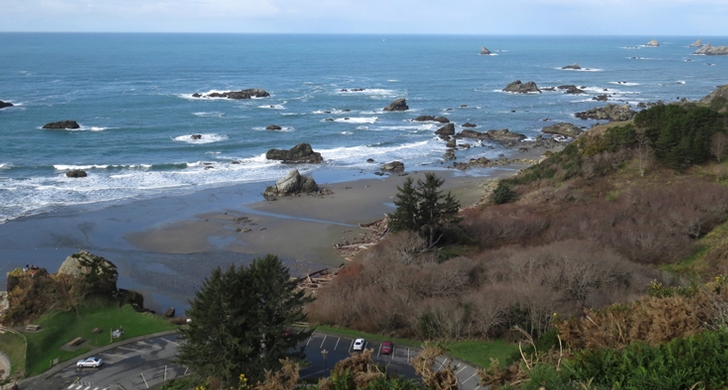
394, 81
625, 83
209, 114
4, 166
358, 120
204, 138
681, 82
583, 70
347, 132
284, 129
333, 111
379, 93
274, 106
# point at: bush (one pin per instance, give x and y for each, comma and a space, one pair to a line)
504, 193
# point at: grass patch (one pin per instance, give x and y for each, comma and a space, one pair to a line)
61, 327
14, 347
480, 352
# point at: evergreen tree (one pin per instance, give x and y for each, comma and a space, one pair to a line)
239, 320
424, 209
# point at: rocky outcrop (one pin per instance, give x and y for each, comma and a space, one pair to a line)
76, 173
446, 131
483, 162
237, 95
717, 100
709, 50
292, 184
394, 166
5, 104
66, 124
273, 127
503, 136
397, 105
484, 51
519, 87
653, 43
573, 66
570, 89
469, 125
84, 263
430, 118
563, 128
611, 112
697, 43
299, 154
169, 313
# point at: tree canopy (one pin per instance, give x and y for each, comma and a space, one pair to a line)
239, 319
424, 209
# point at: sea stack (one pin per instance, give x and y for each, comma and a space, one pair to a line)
697, 43
485, 52
653, 43
5, 104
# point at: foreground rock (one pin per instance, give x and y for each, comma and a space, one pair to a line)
394, 166
237, 95
565, 129
299, 154
397, 105
484, 51
430, 118
697, 43
653, 43
76, 173
292, 184
611, 112
446, 131
67, 124
519, 87
709, 50
573, 66
5, 104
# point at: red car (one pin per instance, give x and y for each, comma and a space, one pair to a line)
387, 347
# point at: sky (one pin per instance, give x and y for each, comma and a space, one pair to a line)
477, 17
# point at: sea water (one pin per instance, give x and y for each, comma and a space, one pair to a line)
132, 96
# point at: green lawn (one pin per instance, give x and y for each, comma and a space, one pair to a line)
61, 327
13, 346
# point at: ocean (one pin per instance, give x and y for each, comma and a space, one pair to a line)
132, 96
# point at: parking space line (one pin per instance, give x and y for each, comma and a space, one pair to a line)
323, 341
471, 377
337, 343
309, 340
460, 370
71, 385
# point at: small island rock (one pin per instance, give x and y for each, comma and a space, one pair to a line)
484, 51
710, 50
75, 173
563, 128
653, 43
273, 127
697, 43
397, 105
519, 87
430, 118
237, 95
66, 124
447, 130
299, 154
5, 104
574, 66
611, 112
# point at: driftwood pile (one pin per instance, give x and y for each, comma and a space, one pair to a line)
375, 232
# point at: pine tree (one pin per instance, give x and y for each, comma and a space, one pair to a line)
424, 209
238, 322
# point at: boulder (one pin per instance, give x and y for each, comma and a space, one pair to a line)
571, 89
601, 98
237, 95
196, 136
292, 184
83, 263
394, 166
448, 129
611, 112
5, 104
469, 125
473, 134
169, 313
697, 43
75, 173
430, 118
484, 51
519, 87
573, 66
709, 50
66, 124
563, 128
397, 105
505, 137
299, 154
273, 127
653, 43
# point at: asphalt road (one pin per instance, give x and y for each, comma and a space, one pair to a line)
147, 363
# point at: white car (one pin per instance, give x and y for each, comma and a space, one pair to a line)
358, 345
89, 362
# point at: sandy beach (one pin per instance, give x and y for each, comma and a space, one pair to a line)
165, 247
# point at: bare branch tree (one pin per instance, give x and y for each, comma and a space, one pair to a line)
718, 145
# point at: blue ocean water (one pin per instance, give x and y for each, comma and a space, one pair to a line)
132, 95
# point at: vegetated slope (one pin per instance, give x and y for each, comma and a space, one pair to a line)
590, 226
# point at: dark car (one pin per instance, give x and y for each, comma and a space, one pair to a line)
387, 347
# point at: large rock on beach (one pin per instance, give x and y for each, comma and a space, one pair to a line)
484, 51
697, 43
5, 104
563, 128
397, 105
76, 173
292, 184
611, 112
430, 118
394, 166
574, 66
519, 87
299, 154
66, 124
653, 43
709, 50
238, 95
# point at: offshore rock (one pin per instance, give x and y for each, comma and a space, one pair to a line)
697, 43
292, 184
563, 128
76, 173
397, 105
519, 87
66, 124
570, 89
653, 43
709, 50
447, 130
430, 118
394, 166
299, 154
574, 66
5, 104
237, 95
484, 51
273, 127
611, 112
